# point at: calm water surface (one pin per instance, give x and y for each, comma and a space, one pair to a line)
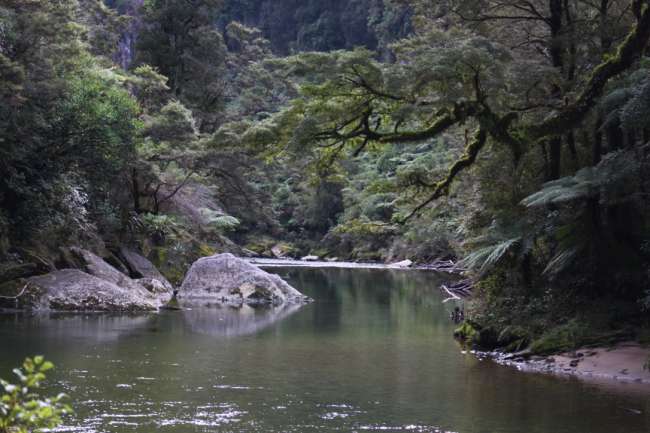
373, 353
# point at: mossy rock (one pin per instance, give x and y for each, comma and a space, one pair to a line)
261, 247
467, 331
206, 250
476, 336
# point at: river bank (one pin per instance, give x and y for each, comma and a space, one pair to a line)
625, 362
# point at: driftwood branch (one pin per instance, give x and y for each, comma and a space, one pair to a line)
452, 295
459, 290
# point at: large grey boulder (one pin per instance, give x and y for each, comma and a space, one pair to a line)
141, 267
74, 290
94, 265
228, 279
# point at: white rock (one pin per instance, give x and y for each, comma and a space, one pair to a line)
228, 279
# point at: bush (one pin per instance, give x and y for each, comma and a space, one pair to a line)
22, 408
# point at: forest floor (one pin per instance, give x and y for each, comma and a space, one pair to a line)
623, 363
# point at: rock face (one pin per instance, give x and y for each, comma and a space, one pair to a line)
96, 266
228, 279
94, 285
140, 267
74, 290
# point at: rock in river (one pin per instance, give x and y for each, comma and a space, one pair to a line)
74, 290
228, 279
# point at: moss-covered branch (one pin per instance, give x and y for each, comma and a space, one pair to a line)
627, 53
441, 188
460, 113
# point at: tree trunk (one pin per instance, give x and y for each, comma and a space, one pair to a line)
597, 148
555, 156
135, 192
557, 57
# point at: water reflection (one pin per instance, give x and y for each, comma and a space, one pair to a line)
372, 353
233, 321
215, 320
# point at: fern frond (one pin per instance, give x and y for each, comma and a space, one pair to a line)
583, 185
487, 257
561, 261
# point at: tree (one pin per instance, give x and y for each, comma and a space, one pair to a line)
181, 40
453, 78
68, 126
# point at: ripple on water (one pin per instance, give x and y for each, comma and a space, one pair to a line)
410, 428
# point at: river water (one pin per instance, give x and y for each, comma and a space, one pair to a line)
373, 353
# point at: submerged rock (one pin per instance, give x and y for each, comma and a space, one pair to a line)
228, 279
74, 290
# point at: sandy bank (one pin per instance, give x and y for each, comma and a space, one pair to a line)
624, 363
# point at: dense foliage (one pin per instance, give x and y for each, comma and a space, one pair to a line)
22, 408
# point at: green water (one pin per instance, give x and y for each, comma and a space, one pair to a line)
373, 353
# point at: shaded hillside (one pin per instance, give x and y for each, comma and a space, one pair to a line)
299, 25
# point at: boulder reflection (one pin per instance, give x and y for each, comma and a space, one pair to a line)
232, 321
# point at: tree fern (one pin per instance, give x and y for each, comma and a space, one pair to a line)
611, 180
485, 258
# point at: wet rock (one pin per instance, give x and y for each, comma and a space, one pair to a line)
142, 268
74, 290
574, 362
549, 360
227, 279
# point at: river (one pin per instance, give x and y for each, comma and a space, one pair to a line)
373, 353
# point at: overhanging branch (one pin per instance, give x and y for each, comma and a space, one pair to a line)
442, 187
627, 53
